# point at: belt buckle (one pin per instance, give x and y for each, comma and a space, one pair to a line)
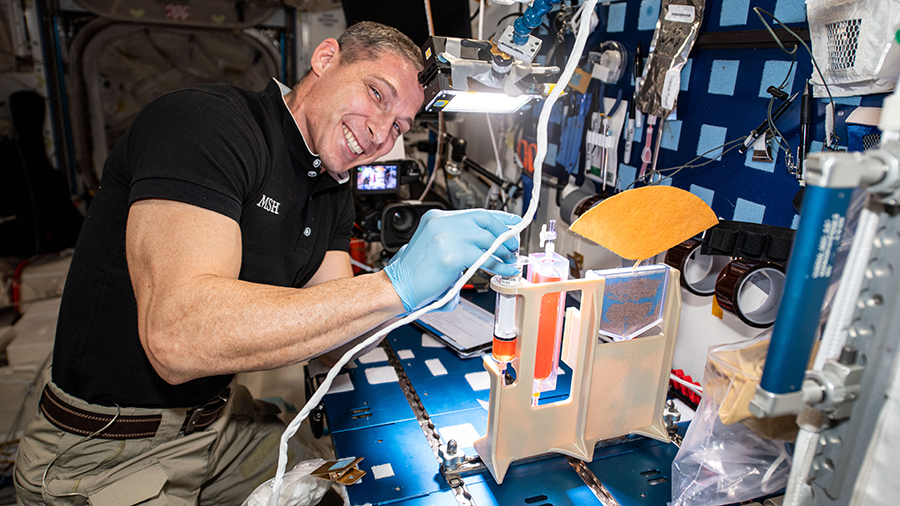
195, 413
191, 425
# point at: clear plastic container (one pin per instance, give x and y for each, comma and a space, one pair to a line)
632, 300
548, 268
506, 319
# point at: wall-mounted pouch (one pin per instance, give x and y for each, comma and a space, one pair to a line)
676, 32
848, 39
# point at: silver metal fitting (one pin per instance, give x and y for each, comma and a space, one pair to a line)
671, 415
451, 455
843, 170
766, 404
834, 388
888, 188
878, 170
501, 65
526, 52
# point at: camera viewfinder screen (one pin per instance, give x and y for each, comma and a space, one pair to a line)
376, 177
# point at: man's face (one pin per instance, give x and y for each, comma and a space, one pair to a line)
356, 112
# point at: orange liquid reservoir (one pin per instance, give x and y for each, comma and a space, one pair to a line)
548, 267
504, 350
549, 328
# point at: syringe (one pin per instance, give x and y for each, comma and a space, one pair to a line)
506, 326
548, 267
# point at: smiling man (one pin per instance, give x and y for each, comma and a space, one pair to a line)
217, 244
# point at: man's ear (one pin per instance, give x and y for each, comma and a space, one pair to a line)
326, 53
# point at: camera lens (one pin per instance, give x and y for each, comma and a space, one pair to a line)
404, 221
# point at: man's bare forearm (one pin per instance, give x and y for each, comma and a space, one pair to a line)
197, 319
224, 326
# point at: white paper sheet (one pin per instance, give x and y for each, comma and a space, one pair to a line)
466, 327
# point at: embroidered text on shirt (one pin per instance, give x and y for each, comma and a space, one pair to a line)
268, 204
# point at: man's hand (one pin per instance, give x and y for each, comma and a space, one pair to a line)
443, 247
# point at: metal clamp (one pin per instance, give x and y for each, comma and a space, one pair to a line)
341, 471
766, 404
525, 52
834, 388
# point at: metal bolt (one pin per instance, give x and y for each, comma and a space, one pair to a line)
671, 415
848, 355
450, 455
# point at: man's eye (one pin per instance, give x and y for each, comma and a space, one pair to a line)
377, 95
397, 127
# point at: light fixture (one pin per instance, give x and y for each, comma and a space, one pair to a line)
487, 79
482, 101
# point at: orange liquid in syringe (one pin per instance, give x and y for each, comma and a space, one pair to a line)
504, 350
547, 328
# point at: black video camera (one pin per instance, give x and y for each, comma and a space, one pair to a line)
384, 177
381, 215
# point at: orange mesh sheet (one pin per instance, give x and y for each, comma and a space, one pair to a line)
640, 223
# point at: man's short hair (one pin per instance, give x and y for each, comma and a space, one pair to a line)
367, 40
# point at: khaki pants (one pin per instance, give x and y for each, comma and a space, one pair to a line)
220, 465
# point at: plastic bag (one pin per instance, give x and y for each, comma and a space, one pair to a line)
299, 488
724, 464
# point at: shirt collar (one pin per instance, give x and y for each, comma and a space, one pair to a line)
308, 156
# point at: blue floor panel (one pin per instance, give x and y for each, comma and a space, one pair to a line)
443, 393
367, 405
637, 473
444, 498
413, 472
460, 425
551, 481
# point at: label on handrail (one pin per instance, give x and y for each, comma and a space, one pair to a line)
831, 235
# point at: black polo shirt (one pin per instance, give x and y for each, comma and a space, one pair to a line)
231, 151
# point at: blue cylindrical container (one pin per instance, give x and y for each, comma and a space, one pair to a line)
808, 274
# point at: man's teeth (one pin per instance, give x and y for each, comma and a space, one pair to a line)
351, 142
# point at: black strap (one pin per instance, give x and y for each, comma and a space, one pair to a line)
750, 241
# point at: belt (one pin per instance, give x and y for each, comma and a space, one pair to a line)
105, 426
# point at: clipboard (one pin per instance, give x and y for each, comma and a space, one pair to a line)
468, 330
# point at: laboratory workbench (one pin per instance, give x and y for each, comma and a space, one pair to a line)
369, 415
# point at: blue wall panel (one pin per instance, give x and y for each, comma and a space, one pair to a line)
725, 99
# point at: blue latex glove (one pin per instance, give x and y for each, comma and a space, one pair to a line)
446, 308
444, 246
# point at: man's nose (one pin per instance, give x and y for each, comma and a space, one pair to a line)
379, 128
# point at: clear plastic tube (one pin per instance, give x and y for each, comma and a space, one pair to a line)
506, 319
505, 325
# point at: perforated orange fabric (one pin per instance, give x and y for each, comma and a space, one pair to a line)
640, 223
